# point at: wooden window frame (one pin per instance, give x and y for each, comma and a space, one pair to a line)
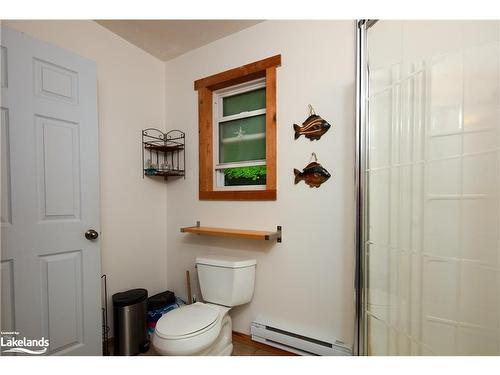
205, 87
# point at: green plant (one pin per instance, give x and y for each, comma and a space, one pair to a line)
252, 173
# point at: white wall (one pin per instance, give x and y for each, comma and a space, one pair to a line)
306, 283
130, 98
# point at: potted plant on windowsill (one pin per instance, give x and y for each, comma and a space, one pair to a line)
254, 175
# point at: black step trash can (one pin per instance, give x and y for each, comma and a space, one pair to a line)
129, 313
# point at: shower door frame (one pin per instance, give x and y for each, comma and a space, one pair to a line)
362, 82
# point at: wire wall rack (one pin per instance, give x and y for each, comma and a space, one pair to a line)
104, 310
163, 154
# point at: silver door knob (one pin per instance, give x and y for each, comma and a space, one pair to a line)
91, 235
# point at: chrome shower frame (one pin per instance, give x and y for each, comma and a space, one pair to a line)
362, 26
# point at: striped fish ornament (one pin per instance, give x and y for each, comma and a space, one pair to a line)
313, 128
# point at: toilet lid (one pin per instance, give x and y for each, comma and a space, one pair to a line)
186, 320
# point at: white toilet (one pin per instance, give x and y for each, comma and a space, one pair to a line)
205, 328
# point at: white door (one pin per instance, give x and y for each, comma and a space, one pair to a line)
50, 273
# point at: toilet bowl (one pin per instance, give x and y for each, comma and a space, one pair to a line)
206, 328
198, 329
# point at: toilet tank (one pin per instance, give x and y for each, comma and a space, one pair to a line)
226, 281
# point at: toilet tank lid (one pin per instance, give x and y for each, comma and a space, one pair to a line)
227, 262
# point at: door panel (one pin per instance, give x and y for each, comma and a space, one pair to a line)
7, 295
59, 169
62, 302
55, 82
5, 176
50, 195
3, 69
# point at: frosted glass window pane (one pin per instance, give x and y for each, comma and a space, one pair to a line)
243, 139
248, 101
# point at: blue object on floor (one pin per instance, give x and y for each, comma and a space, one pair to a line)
155, 315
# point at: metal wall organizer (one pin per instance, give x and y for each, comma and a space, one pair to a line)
163, 154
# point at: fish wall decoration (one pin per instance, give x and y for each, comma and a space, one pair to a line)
314, 174
313, 127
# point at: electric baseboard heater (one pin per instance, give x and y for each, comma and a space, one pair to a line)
296, 343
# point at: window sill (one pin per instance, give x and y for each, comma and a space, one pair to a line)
236, 195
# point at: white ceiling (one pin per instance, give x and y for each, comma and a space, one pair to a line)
167, 39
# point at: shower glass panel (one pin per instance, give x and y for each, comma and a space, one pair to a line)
431, 244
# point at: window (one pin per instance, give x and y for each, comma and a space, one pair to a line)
237, 132
240, 137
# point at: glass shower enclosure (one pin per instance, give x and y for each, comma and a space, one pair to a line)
428, 184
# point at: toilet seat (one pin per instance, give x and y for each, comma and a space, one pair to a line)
187, 321
189, 330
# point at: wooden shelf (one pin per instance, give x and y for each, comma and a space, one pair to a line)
238, 233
